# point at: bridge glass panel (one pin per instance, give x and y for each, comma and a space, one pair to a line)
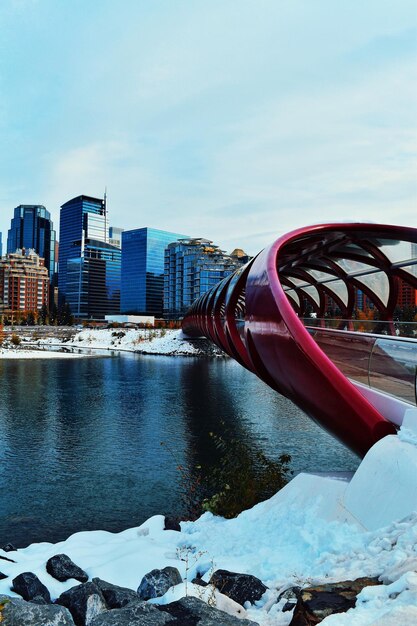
349, 351
386, 364
351, 248
320, 276
313, 293
393, 368
354, 267
294, 295
339, 288
411, 269
378, 283
397, 251
296, 281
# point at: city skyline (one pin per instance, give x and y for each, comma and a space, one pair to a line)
231, 121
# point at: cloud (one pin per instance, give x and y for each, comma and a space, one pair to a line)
227, 120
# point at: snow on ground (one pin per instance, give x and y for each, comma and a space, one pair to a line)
169, 342
39, 354
144, 341
301, 536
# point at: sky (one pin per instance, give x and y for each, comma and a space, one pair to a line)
234, 120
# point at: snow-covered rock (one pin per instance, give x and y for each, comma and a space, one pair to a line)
18, 612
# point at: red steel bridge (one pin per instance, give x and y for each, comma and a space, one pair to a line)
354, 377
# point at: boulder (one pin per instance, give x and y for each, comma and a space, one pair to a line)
84, 602
239, 587
29, 587
192, 611
135, 614
116, 597
171, 523
62, 568
8, 547
2, 576
157, 582
38, 600
16, 612
291, 596
316, 603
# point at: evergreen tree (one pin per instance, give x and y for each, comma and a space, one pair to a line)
68, 316
65, 317
53, 316
43, 315
61, 315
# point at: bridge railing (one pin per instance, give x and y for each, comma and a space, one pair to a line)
382, 362
398, 328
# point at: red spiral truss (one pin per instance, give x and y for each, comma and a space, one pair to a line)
255, 316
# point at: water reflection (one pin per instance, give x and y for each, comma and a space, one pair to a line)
80, 440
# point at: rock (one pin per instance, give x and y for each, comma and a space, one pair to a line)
84, 602
239, 587
29, 586
135, 614
316, 603
291, 595
192, 611
200, 582
38, 600
62, 568
8, 547
2, 576
116, 597
171, 524
16, 612
157, 582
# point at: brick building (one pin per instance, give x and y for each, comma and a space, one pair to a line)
24, 283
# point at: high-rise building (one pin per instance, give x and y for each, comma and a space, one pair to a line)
115, 236
32, 228
89, 266
192, 267
24, 283
142, 285
1, 246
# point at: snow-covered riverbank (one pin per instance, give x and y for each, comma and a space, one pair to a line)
25, 353
303, 535
143, 341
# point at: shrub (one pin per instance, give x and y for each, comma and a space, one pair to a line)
15, 339
238, 478
242, 477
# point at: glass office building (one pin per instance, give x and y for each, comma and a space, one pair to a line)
115, 236
31, 228
192, 267
142, 284
89, 266
93, 281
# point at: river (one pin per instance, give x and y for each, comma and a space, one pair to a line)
80, 439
